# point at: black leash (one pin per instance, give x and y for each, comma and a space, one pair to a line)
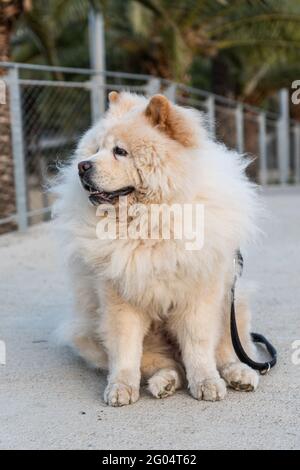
263, 367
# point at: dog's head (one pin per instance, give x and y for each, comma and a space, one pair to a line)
142, 150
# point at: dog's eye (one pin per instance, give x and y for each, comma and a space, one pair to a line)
119, 151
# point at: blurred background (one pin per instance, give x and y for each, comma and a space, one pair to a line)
235, 60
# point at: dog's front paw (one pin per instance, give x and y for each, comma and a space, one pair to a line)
120, 394
211, 389
240, 377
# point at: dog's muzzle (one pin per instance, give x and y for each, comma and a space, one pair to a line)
96, 195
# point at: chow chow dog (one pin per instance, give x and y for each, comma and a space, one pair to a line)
149, 308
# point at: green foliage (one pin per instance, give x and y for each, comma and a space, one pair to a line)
252, 41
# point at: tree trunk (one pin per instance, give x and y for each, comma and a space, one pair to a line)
7, 190
9, 12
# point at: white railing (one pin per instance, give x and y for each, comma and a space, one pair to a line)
51, 107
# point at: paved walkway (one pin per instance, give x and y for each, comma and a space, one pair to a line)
50, 399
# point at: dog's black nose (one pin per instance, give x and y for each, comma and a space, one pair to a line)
84, 166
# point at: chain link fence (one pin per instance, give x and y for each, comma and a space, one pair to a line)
45, 110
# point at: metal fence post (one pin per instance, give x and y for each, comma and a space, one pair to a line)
210, 106
18, 148
152, 87
239, 123
263, 176
170, 92
283, 137
2, 92
97, 57
297, 153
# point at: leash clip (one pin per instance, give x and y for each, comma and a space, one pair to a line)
266, 370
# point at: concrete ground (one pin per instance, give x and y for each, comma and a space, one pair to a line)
49, 398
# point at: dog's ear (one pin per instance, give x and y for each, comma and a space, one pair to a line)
113, 96
158, 110
169, 119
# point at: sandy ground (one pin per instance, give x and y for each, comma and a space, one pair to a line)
50, 399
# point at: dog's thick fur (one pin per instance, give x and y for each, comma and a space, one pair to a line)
150, 308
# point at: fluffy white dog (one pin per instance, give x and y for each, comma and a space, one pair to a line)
149, 307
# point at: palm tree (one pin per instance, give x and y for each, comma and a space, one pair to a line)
10, 10
54, 33
187, 29
165, 38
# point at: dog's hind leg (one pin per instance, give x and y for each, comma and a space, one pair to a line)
165, 381
159, 367
238, 375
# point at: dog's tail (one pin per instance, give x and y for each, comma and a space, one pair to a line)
85, 345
